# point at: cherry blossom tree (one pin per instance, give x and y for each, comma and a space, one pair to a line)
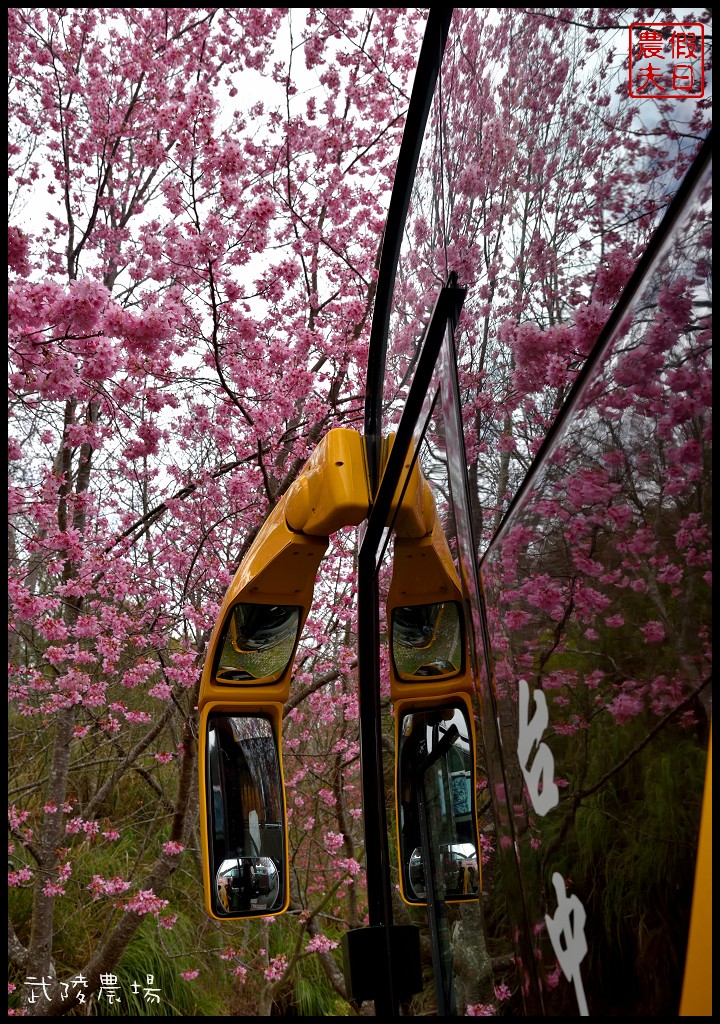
541, 183
191, 282
197, 205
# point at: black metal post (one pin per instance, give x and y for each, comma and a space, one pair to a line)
377, 855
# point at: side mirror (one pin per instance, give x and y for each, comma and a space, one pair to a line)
427, 640
257, 643
437, 818
244, 815
246, 681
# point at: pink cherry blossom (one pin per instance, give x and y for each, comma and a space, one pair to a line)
18, 877
320, 944
145, 902
614, 621
654, 632
107, 886
276, 968
333, 842
624, 707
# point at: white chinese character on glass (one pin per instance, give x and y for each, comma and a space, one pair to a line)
567, 934
540, 774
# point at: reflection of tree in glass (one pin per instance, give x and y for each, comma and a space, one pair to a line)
255, 737
542, 207
598, 593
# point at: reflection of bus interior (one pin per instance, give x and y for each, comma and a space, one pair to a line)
255, 627
459, 871
427, 639
416, 626
435, 754
248, 883
247, 816
257, 642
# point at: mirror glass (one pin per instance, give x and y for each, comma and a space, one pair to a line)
459, 871
246, 811
427, 640
436, 804
257, 643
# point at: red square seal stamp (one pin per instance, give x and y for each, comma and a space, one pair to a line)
667, 60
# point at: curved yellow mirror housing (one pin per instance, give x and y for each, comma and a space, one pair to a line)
246, 680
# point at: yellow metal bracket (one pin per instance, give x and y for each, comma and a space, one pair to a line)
332, 491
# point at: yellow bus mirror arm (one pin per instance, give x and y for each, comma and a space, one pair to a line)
412, 511
279, 569
246, 680
425, 596
431, 690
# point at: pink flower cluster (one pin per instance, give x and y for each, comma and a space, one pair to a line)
276, 968
333, 842
320, 944
16, 878
107, 886
350, 865
145, 902
75, 825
